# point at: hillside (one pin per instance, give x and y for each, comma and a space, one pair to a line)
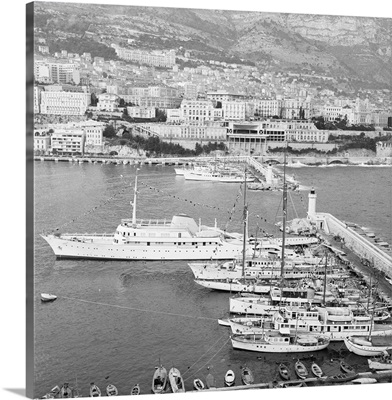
354, 48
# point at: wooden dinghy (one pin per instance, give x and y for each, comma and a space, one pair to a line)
301, 370
47, 297
347, 368
159, 380
247, 376
210, 381
176, 381
198, 384
111, 390
135, 390
284, 372
95, 391
316, 370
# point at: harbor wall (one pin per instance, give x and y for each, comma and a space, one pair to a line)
355, 242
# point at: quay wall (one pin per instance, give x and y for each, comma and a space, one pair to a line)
355, 242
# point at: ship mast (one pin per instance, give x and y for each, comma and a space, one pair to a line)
245, 229
284, 214
134, 200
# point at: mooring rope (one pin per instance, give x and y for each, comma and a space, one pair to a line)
137, 309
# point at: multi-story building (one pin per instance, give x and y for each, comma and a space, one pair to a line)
296, 109
332, 112
173, 115
223, 95
141, 112
246, 137
162, 97
210, 132
305, 131
384, 149
267, 107
197, 111
37, 99
190, 91
41, 141
156, 58
64, 72
68, 141
234, 110
43, 49
64, 103
108, 102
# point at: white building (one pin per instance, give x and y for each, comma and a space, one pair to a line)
141, 112
234, 110
41, 141
37, 99
267, 107
67, 141
305, 131
197, 111
108, 102
155, 58
64, 103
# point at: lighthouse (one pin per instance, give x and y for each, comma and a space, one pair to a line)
312, 204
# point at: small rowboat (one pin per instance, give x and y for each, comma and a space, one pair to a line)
135, 390
52, 394
65, 391
198, 384
229, 378
284, 372
210, 381
111, 390
348, 369
159, 380
94, 390
224, 322
176, 381
247, 376
316, 370
47, 297
301, 370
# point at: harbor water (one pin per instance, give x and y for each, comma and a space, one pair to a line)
114, 321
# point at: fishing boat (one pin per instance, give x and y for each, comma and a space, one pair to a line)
364, 347
301, 370
180, 238
65, 391
176, 381
316, 370
198, 384
210, 381
135, 390
347, 368
52, 394
159, 380
247, 376
284, 372
229, 378
47, 297
111, 390
94, 390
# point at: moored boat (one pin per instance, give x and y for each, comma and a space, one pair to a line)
347, 368
176, 381
229, 378
363, 381
47, 297
363, 347
380, 363
316, 370
284, 372
65, 391
159, 380
210, 381
135, 390
111, 390
198, 384
247, 376
94, 390
301, 370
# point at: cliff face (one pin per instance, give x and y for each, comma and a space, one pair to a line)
340, 46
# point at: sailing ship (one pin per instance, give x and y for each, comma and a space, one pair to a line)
180, 238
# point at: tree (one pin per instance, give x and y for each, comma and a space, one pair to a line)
109, 131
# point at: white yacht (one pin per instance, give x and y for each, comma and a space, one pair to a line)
180, 238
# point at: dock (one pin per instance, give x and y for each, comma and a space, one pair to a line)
324, 380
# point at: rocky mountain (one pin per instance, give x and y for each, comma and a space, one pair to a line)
355, 48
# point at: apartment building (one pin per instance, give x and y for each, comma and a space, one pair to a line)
108, 102
296, 109
234, 110
305, 131
197, 111
64, 103
37, 99
155, 58
141, 112
67, 141
267, 107
41, 141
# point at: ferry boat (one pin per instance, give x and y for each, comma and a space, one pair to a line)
180, 238
215, 177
